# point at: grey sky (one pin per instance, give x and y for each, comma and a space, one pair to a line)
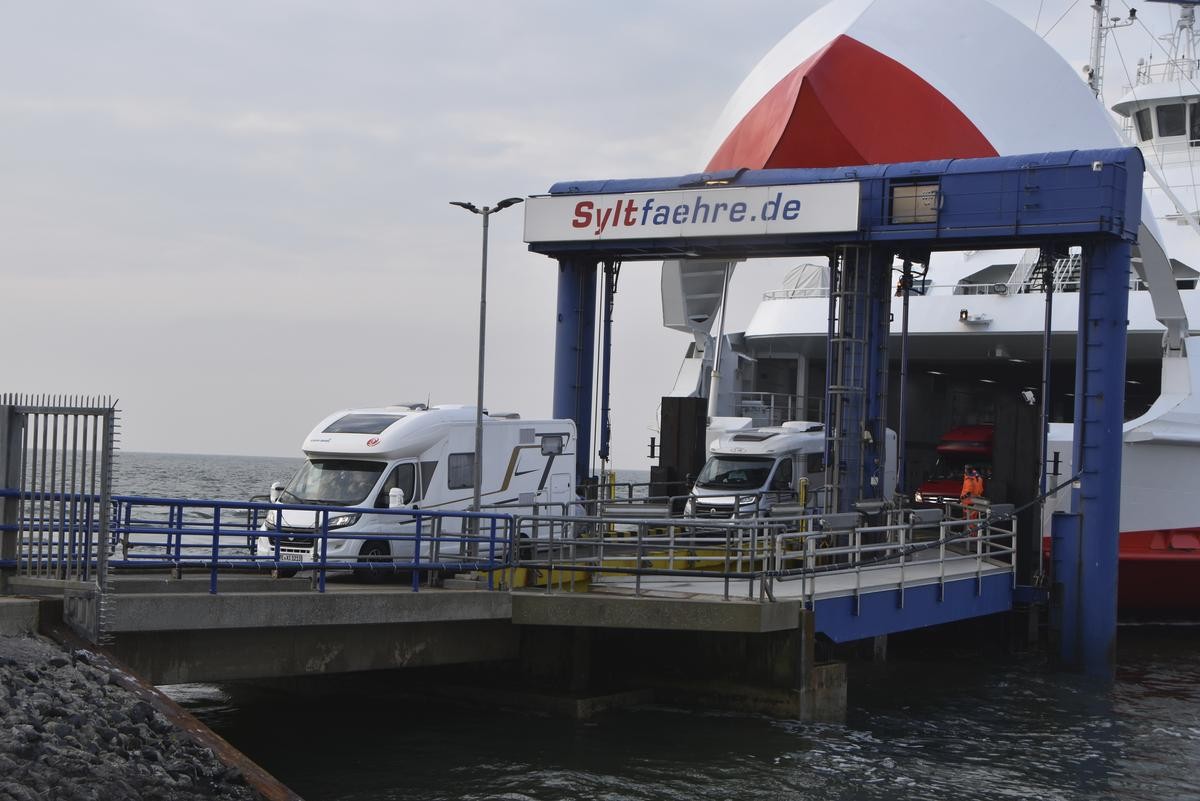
233, 215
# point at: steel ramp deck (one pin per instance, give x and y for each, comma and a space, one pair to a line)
851, 605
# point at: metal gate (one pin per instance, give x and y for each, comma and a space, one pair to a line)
55, 488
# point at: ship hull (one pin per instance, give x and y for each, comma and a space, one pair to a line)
1159, 573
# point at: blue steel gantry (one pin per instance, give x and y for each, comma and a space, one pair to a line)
862, 218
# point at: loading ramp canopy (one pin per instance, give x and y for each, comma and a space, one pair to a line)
863, 218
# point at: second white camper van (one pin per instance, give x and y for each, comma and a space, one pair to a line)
749, 470
361, 457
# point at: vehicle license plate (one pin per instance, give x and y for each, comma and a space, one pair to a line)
292, 556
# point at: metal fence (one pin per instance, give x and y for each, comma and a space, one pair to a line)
754, 558
181, 535
56, 463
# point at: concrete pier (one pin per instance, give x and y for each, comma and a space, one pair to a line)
582, 652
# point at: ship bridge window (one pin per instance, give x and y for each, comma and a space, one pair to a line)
1145, 131
1194, 124
1171, 120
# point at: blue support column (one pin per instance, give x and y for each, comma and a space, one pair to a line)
1099, 416
879, 324
856, 392
611, 273
574, 348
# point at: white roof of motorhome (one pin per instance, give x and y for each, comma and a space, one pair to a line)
799, 435
390, 432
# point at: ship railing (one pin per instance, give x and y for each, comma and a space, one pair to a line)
999, 288
1175, 69
223, 537
754, 558
765, 408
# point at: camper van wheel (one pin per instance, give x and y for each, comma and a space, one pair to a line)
377, 552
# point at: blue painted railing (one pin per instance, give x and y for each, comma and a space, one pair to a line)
181, 534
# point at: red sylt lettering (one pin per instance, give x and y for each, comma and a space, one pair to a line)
583, 214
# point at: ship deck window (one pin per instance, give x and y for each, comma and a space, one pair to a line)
1171, 120
1142, 118
1194, 124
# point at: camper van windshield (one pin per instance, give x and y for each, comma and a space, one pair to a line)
735, 472
950, 466
335, 482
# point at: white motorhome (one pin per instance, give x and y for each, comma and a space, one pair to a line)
417, 458
752, 469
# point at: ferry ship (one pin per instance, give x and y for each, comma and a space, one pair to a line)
876, 81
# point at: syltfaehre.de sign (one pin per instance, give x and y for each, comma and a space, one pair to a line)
728, 211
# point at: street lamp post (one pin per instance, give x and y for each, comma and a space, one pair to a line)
485, 212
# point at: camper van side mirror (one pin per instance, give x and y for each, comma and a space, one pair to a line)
276, 492
395, 498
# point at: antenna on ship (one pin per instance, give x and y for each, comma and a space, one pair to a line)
1181, 60
1101, 25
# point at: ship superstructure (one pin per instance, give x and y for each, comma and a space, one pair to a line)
854, 84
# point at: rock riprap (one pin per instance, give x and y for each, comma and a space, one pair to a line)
69, 730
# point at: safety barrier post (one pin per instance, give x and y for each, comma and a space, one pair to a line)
11, 451
637, 563
416, 563
492, 556
514, 537
728, 545
324, 550
216, 535
178, 523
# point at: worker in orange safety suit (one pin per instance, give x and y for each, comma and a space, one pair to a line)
972, 486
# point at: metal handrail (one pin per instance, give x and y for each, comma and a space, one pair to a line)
154, 537
760, 551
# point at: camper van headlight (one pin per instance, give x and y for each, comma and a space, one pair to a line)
341, 521
272, 518
918, 497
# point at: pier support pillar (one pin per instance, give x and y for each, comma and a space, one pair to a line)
574, 351
821, 686
558, 657
879, 648
1066, 598
1099, 418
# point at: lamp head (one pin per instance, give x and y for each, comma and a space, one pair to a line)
508, 201
468, 206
